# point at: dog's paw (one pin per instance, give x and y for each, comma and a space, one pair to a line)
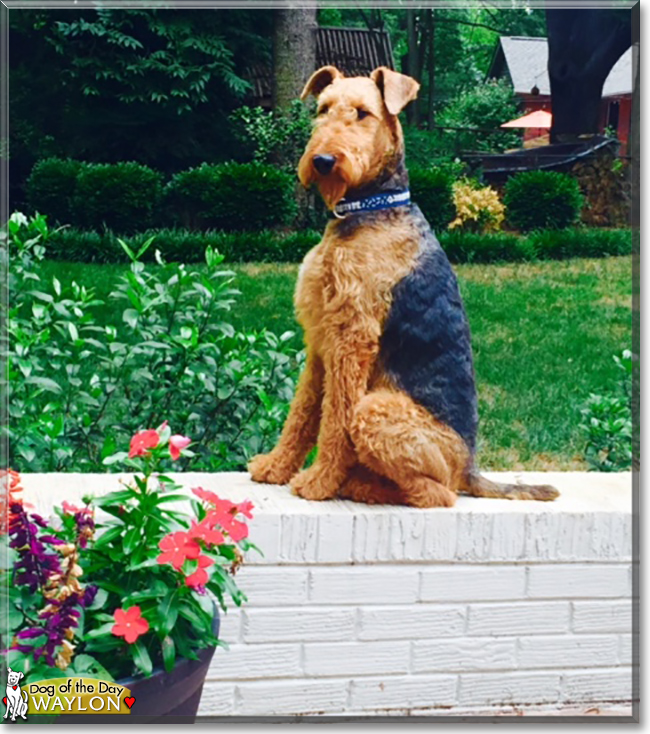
310, 484
267, 469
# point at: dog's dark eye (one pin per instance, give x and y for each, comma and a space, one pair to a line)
362, 113
323, 110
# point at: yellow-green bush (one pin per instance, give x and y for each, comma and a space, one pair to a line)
477, 209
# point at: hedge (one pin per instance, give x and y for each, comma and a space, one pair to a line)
542, 200
270, 246
432, 190
580, 242
51, 188
182, 245
128, 197
120, 196
232, 196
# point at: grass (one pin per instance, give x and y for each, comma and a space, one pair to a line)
543, 337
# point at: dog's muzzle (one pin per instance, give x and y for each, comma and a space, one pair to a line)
323, 163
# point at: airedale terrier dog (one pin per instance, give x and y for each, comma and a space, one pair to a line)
388, 388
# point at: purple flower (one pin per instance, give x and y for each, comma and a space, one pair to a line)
35, 564
59, 617
90, 592
85, 526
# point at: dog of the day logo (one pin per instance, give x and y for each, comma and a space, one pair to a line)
15, 699
65, 696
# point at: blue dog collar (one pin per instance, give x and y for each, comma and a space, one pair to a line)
384, 200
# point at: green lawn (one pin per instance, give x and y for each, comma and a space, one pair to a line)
543, 335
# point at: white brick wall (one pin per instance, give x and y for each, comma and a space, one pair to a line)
491, 605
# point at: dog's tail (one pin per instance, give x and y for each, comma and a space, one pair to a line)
479, 486
25, 694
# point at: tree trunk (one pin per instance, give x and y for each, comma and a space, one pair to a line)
432, 70
294, 53
412, 111
583, 46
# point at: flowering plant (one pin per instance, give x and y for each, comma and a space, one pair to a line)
122, 584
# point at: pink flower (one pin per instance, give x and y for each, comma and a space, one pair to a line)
246, 508
237, 530
177, 444
142, 442
129, 624
200, 576
206, 531
69, 508
205, 495
176, 547
224, 513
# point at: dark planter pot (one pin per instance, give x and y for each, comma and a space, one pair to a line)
162, 698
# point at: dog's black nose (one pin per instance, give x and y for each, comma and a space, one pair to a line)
323, 163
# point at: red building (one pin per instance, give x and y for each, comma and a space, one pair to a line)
524, 61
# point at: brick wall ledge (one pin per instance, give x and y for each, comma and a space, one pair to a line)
493, 606
590, 521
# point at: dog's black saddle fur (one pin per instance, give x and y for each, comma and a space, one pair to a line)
425, 347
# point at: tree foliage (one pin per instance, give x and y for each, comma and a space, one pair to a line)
155, 86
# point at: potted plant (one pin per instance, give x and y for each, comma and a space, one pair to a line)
122, 588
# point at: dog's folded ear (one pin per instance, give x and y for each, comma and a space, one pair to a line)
396, 89
320, 79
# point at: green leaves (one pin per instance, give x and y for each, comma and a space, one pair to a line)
168, 653
131, 539
141, 657
78, 390
607, 423
88, 666
168, 611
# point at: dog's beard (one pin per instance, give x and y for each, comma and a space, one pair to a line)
332, 188
334, 185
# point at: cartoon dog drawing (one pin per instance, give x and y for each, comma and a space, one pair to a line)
14, 700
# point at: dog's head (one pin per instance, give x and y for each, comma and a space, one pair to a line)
357, 136
14, 676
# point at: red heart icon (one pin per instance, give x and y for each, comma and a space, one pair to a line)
129, 701
4, 700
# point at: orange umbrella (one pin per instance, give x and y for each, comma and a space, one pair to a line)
539, 119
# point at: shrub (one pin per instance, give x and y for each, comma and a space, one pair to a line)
82, 245
469, 247
431, 190
274, 137
233, 196
76, 388
484, 107
181, 245
124, 197
478, 209
607, 421
542, 200
51, 188
581, 242
426, 148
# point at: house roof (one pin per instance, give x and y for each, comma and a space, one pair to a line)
355, 51
526, 60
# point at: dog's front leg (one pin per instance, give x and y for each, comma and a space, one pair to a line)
300, 429
346, 382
